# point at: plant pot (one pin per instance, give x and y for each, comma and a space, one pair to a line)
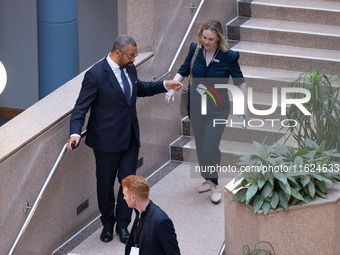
305, 229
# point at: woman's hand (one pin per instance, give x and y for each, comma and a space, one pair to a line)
170, 96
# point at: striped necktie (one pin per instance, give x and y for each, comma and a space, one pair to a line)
126, 84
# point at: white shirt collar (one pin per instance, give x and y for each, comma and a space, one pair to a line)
112, 64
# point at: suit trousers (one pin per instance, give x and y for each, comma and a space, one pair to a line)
207, 142
108, 166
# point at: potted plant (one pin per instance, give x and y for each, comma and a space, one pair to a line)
258, 251
324, 105
283, 176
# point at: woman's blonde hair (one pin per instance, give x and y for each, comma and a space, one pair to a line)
216, 27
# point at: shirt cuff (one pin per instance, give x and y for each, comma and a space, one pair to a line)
165, 85
75, 135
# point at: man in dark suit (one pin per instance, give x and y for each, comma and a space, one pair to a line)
153, 232
110, 89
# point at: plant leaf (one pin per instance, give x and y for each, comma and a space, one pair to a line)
243, 183
239, 195
281, 149
311, 144
283, 200
285, 187
261, 182
320, 194
267, 190
307, 199
266, 207
321, 186
258, 202
252, 190
271, 180
322, 178
239, 177
274, 200
305, 180
297, 195
311, 189
261, 149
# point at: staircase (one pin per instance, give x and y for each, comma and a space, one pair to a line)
277, 41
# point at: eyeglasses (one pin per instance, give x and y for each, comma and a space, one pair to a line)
130, 56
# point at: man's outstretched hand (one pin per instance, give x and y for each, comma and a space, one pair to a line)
172, 84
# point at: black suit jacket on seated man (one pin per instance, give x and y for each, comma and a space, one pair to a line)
113, 130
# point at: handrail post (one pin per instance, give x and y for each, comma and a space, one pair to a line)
183, 41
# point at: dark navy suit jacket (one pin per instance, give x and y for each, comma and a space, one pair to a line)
224, 65
157, 236
112, 120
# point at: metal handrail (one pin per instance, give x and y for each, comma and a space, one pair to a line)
41, 193
64, 149
221, 252
182, 43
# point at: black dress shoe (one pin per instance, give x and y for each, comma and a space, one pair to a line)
123, 234
107, 234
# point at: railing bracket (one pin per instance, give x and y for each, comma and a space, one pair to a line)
27, 207
193, 8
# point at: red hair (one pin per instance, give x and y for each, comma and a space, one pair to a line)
137, 185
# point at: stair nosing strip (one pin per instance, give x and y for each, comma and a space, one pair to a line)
268, 78
294, 7
289, 31
285, 55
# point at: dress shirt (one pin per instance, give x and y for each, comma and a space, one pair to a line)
115, 68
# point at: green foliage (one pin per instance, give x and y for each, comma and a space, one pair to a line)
284, 176
324, 105
257, 251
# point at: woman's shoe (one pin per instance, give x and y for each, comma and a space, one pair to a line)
204, 187
216, 195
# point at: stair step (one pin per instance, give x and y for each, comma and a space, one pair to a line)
264, 79
269, 73
332, 6
264, 101
285, 32
257, 130
288, 57
184, 150
306, 11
